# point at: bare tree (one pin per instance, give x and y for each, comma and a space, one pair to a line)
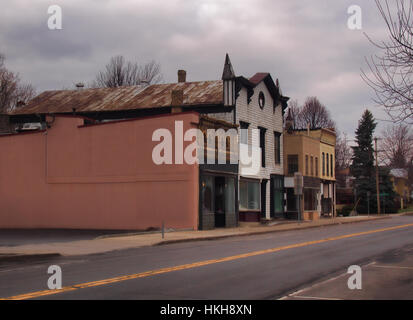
391, 73
314, 114
343, 152
119, 72
12, 92
396, 146
151, 72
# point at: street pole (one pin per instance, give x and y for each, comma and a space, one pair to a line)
368, 203
377, 178
299, 208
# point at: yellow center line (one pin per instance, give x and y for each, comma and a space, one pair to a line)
194, 265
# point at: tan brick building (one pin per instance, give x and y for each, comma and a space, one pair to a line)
312, 153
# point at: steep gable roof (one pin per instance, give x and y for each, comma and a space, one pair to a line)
273, 88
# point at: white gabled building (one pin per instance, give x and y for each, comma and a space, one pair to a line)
259, 105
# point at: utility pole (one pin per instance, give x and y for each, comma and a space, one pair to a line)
377, 178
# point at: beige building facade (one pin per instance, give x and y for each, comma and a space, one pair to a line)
311, 153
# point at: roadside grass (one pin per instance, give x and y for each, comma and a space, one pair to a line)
408, 209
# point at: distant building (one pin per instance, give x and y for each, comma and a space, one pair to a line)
312, 153
344, 188
399, 177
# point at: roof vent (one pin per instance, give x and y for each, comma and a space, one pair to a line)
20, 103
181, 76
80, 85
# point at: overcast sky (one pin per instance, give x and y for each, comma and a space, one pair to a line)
306, 44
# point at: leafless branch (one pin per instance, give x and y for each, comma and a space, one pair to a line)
390, 73
119, 73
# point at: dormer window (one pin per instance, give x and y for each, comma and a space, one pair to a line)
261, 99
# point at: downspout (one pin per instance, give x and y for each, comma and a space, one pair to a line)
48, 125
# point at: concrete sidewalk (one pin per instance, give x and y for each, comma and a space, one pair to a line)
120, 242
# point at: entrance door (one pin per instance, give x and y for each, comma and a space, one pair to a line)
230, 212
220, 202
277, 197
263, 198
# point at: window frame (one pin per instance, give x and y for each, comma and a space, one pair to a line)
306, 165
243, 126
327, 166
331, 166
312, 166
277, 147
295, 163
258, 200
263, 138
324, 165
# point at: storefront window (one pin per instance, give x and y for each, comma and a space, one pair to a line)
291, 200
278, 195
249, 195
207, 194
310, 199
229, 195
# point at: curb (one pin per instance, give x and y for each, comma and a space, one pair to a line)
405, 214
120, 235
27, 257
265, 231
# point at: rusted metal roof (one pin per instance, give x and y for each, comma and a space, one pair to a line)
123, 98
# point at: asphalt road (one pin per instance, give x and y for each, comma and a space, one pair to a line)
270, 266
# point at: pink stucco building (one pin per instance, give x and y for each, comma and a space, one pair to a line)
99, 176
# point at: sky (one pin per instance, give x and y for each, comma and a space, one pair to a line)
306, 44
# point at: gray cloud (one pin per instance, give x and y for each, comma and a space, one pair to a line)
306, 44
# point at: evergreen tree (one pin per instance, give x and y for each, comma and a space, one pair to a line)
364, 171
388, 195
362, 167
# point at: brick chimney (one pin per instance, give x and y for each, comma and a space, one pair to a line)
177, 101
181, 76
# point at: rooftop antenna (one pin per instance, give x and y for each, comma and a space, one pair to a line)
80, 85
